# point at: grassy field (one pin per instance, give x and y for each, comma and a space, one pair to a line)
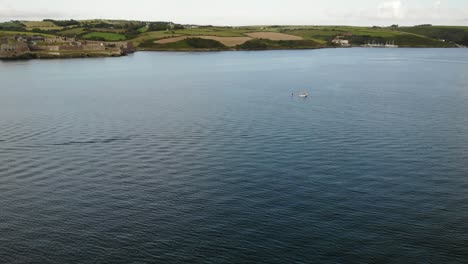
72, 32
11, 24
187, 44
226, 41
363, 35
325, 33
4, 33
457, 35
266, 44
273, 36
213, 31
110, 30
43, 25
104, 36
142, 29
152, 36
210, 31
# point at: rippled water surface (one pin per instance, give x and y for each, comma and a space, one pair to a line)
207, 158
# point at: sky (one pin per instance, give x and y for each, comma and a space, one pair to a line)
247, 12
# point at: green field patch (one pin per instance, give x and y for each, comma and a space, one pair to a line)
109, 30
188, 44
12, 25
364, 35
330, 32
314, 34
42, 25
212, 31
143, 29
25, 33
409, 40
152, 36
456, 27
72, 32
104, 36
456, 34
266, 44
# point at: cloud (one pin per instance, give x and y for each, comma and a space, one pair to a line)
390, 9
20, 15
409, 13
7, 12
245, 12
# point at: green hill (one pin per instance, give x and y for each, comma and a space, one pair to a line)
453, 34
144, 34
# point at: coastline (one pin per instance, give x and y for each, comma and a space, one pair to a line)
84, 55
83, 39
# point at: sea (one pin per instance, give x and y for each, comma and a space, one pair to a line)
212, 157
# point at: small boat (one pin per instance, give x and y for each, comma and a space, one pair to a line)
304, 95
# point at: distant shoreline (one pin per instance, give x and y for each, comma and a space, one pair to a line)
95, 55
50, 39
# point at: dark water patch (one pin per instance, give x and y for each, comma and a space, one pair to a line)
19, 147
90, 142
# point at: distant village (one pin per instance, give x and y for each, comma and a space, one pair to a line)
24, 46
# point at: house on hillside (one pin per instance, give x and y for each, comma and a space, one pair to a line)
340, 41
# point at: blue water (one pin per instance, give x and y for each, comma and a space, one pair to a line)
207, 158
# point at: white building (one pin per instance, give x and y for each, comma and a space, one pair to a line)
341, 42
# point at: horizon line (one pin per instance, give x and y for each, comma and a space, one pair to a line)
225, 25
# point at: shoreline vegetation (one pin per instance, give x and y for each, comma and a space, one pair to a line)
50, 39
